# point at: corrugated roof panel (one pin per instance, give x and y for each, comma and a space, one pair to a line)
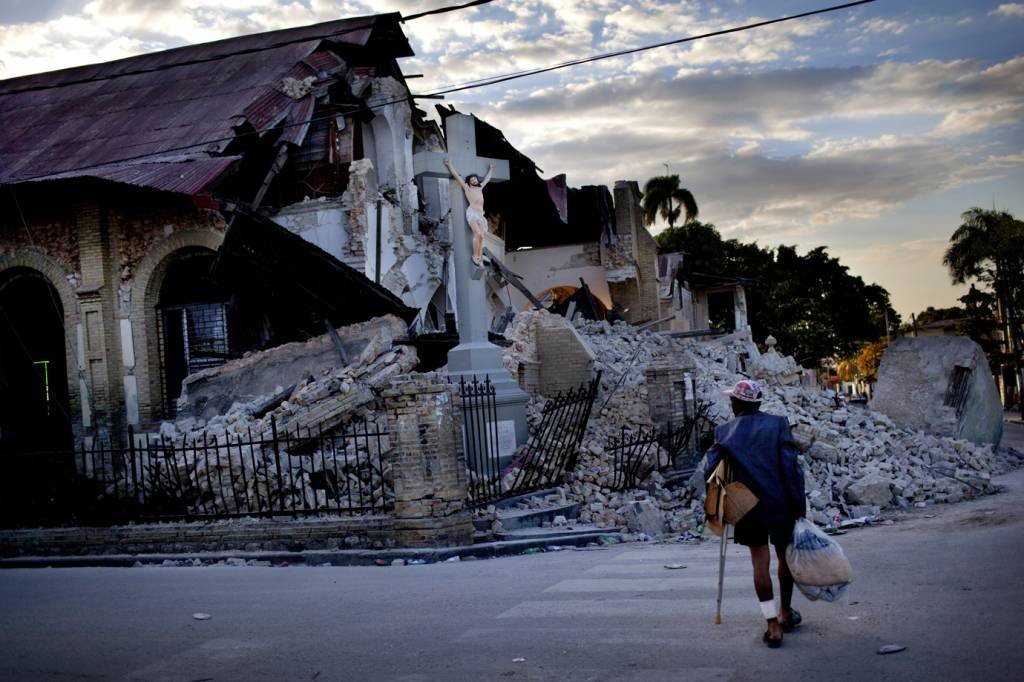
49, 133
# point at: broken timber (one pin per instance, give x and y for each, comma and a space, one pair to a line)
501, 272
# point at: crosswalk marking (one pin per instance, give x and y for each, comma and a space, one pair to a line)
704, 583
620, 608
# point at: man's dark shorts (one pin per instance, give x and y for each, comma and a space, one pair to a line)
752, 533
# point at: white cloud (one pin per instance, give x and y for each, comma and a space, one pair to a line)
1009, 9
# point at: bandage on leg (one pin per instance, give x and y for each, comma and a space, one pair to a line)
768, 609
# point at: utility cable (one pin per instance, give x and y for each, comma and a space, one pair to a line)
619, 53
458, 88
444, 10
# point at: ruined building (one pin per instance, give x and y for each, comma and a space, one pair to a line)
165, 213
119, 184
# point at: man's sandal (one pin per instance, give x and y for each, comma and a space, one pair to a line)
771, 643
793, 621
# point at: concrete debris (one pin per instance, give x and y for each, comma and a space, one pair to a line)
858, 463
319, 403
297, 88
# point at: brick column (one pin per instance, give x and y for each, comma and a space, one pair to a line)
665, 392
429, 464
100, 333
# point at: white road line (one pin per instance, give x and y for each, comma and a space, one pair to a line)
619, 608
706, 583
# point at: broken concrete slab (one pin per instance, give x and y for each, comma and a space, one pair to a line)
941, 385
212, 391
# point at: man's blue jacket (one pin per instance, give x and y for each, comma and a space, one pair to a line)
763, 456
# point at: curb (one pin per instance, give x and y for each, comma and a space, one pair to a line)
313, 557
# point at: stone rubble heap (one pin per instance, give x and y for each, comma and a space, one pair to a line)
856, 462
337, 472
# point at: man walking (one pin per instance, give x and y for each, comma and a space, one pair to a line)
763, 456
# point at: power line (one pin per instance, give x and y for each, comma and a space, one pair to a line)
235, 53
444, 10
471, 85
619, 53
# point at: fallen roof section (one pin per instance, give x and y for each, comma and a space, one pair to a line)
301, 285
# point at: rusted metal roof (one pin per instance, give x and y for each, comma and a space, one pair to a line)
135, 120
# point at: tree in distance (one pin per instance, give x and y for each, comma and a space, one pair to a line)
663, 196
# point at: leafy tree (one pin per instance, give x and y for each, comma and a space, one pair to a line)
809, 302
869, 358
988, 248
933, 314
663, 196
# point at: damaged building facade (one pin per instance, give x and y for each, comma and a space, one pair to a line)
142, 197
120, 189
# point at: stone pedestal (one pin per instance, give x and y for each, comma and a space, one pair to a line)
429, 465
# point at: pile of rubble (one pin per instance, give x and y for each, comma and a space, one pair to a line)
229, 463
856, 462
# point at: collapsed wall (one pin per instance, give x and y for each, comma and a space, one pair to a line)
857, 462
942, 385
311, 393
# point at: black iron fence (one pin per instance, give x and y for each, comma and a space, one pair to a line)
551, 451
280, 472
677, 449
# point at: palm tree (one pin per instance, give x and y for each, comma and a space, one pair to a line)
987, 247
660, 193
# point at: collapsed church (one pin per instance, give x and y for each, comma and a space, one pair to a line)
235, 280
148, 206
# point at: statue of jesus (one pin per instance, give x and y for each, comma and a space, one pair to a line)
474, 191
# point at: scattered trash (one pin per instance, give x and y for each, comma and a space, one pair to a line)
674, 567
833, 531
554, 548
533, 550
519, 660
857, 522
325, 564
201, 616
398, 562
380, 562
283, 564
416, 562
453, 559
891, 649
609, 540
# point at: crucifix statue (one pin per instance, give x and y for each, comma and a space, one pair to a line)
475, 355
473, 188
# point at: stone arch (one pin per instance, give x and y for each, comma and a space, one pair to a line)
146, 284
60, 279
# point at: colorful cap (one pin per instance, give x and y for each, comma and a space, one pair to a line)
747, 390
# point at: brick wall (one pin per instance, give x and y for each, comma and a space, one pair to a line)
566, 361
272, 534
665, 392
428, 463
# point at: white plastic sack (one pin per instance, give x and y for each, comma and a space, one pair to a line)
819, 567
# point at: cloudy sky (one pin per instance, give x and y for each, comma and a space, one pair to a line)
867, 130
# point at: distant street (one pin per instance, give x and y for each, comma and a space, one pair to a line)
943, 581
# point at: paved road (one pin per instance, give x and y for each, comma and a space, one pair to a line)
945, 582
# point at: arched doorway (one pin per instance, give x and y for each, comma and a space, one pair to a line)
35, 412
201, 324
